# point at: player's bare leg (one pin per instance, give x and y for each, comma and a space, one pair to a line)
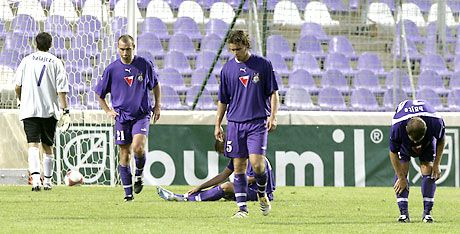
258, 165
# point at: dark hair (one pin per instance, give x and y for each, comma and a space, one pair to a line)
43, 41
239, 37
126, 38
416, 128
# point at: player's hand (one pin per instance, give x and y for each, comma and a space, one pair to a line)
400, 185
156, 113
112, 114
64, 122
435, 172
219, 133
193, 190
271, 123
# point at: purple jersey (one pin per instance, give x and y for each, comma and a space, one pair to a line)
246, 88
249, 172
129, 86
399, 140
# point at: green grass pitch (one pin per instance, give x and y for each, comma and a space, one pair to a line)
96, 209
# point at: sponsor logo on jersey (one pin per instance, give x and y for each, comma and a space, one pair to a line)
129, 80
244, 80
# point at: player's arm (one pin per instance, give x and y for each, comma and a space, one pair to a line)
63, 100
401, 183
221, 177
103, 103
17, 90
157, 107
274, 104
435, 172
218, 131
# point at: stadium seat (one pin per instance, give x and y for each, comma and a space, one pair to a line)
436, 63
368, 80
198, 77
310, 44
341, 44
335, 78
411, 31
431, 97
170, 99
177, 60
148, 41
187, 26
88, 24
77, 3
391, 101
331, 99
454, 82
147, 55
286, 13
77, 60
314, 29
217, 27
192, 10
206, 4
223, 11
160, 9
431, 79
205, 102
10, 58
379, 13
276, 44
58, 47
91, 101
32, 8
308, 62
371, 61
86, 42
298, 99
340, 62
335, 5
353, 5
390, 3
413, 53
96, 8
431, 31
363, 99
6, 14
119, 25
182, 43
212, 43
423, 5
142, 4
433, 15
58, 25
400, 78
77, 80
17, 42
64, 8
317, 12
156, 26
204, 59
302, 79
25, 25
432, 47
412, 12
121, 10
171, 77
454, 6
279, 65
453, 100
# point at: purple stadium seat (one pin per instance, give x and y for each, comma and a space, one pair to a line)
174, 4
204, 60
431, 47
340, 62
431, 79
370, 61
353, 5
341, 44
212, 43
119, 25
314, 29
302, 79
279, 81
391, 101
77, 80
279, 65
148, 41
217, 27
390, 3
364, 100
157, 27
17, 42
25, 25
147, 55
424, 5
310, 44
436, 63
75, 99
177, 60
58, 25
88, 24
331, 99
454, 82
206, 4
187, 26
142, 4
182, 43
335, 5
308, 62
171, 77
431, 97
205, 102
91, 100
78, 3
58, 47
277, 44
402, 80
414, 55
454, 5
335, 78
453, 100
298, 99
170, 99
77, 60
86, 42
46, 4
301, 4
198, 77
412, 31
368, 80
431, 31
10, 58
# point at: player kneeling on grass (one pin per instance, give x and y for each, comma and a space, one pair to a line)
221, 189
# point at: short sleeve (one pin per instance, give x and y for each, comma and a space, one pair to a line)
223, 93
103, 84
62, 80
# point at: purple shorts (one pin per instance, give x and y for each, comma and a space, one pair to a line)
246, 138
124, 132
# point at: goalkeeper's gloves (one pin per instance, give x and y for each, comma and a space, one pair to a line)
64, 122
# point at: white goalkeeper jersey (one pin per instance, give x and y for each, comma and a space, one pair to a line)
41, 75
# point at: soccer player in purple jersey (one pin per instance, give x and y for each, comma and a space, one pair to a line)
220, 189
416, 131
129, 80
248, 92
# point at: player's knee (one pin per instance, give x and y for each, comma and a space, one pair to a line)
138, 149
259, 169
227, 187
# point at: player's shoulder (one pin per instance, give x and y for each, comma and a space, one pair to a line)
410, 108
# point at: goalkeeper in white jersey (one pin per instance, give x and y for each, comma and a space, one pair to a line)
41, 88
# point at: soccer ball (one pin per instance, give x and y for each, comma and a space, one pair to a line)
73, 177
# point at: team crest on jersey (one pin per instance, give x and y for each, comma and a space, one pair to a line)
140, 77
244, 80
129, 80
255, 77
